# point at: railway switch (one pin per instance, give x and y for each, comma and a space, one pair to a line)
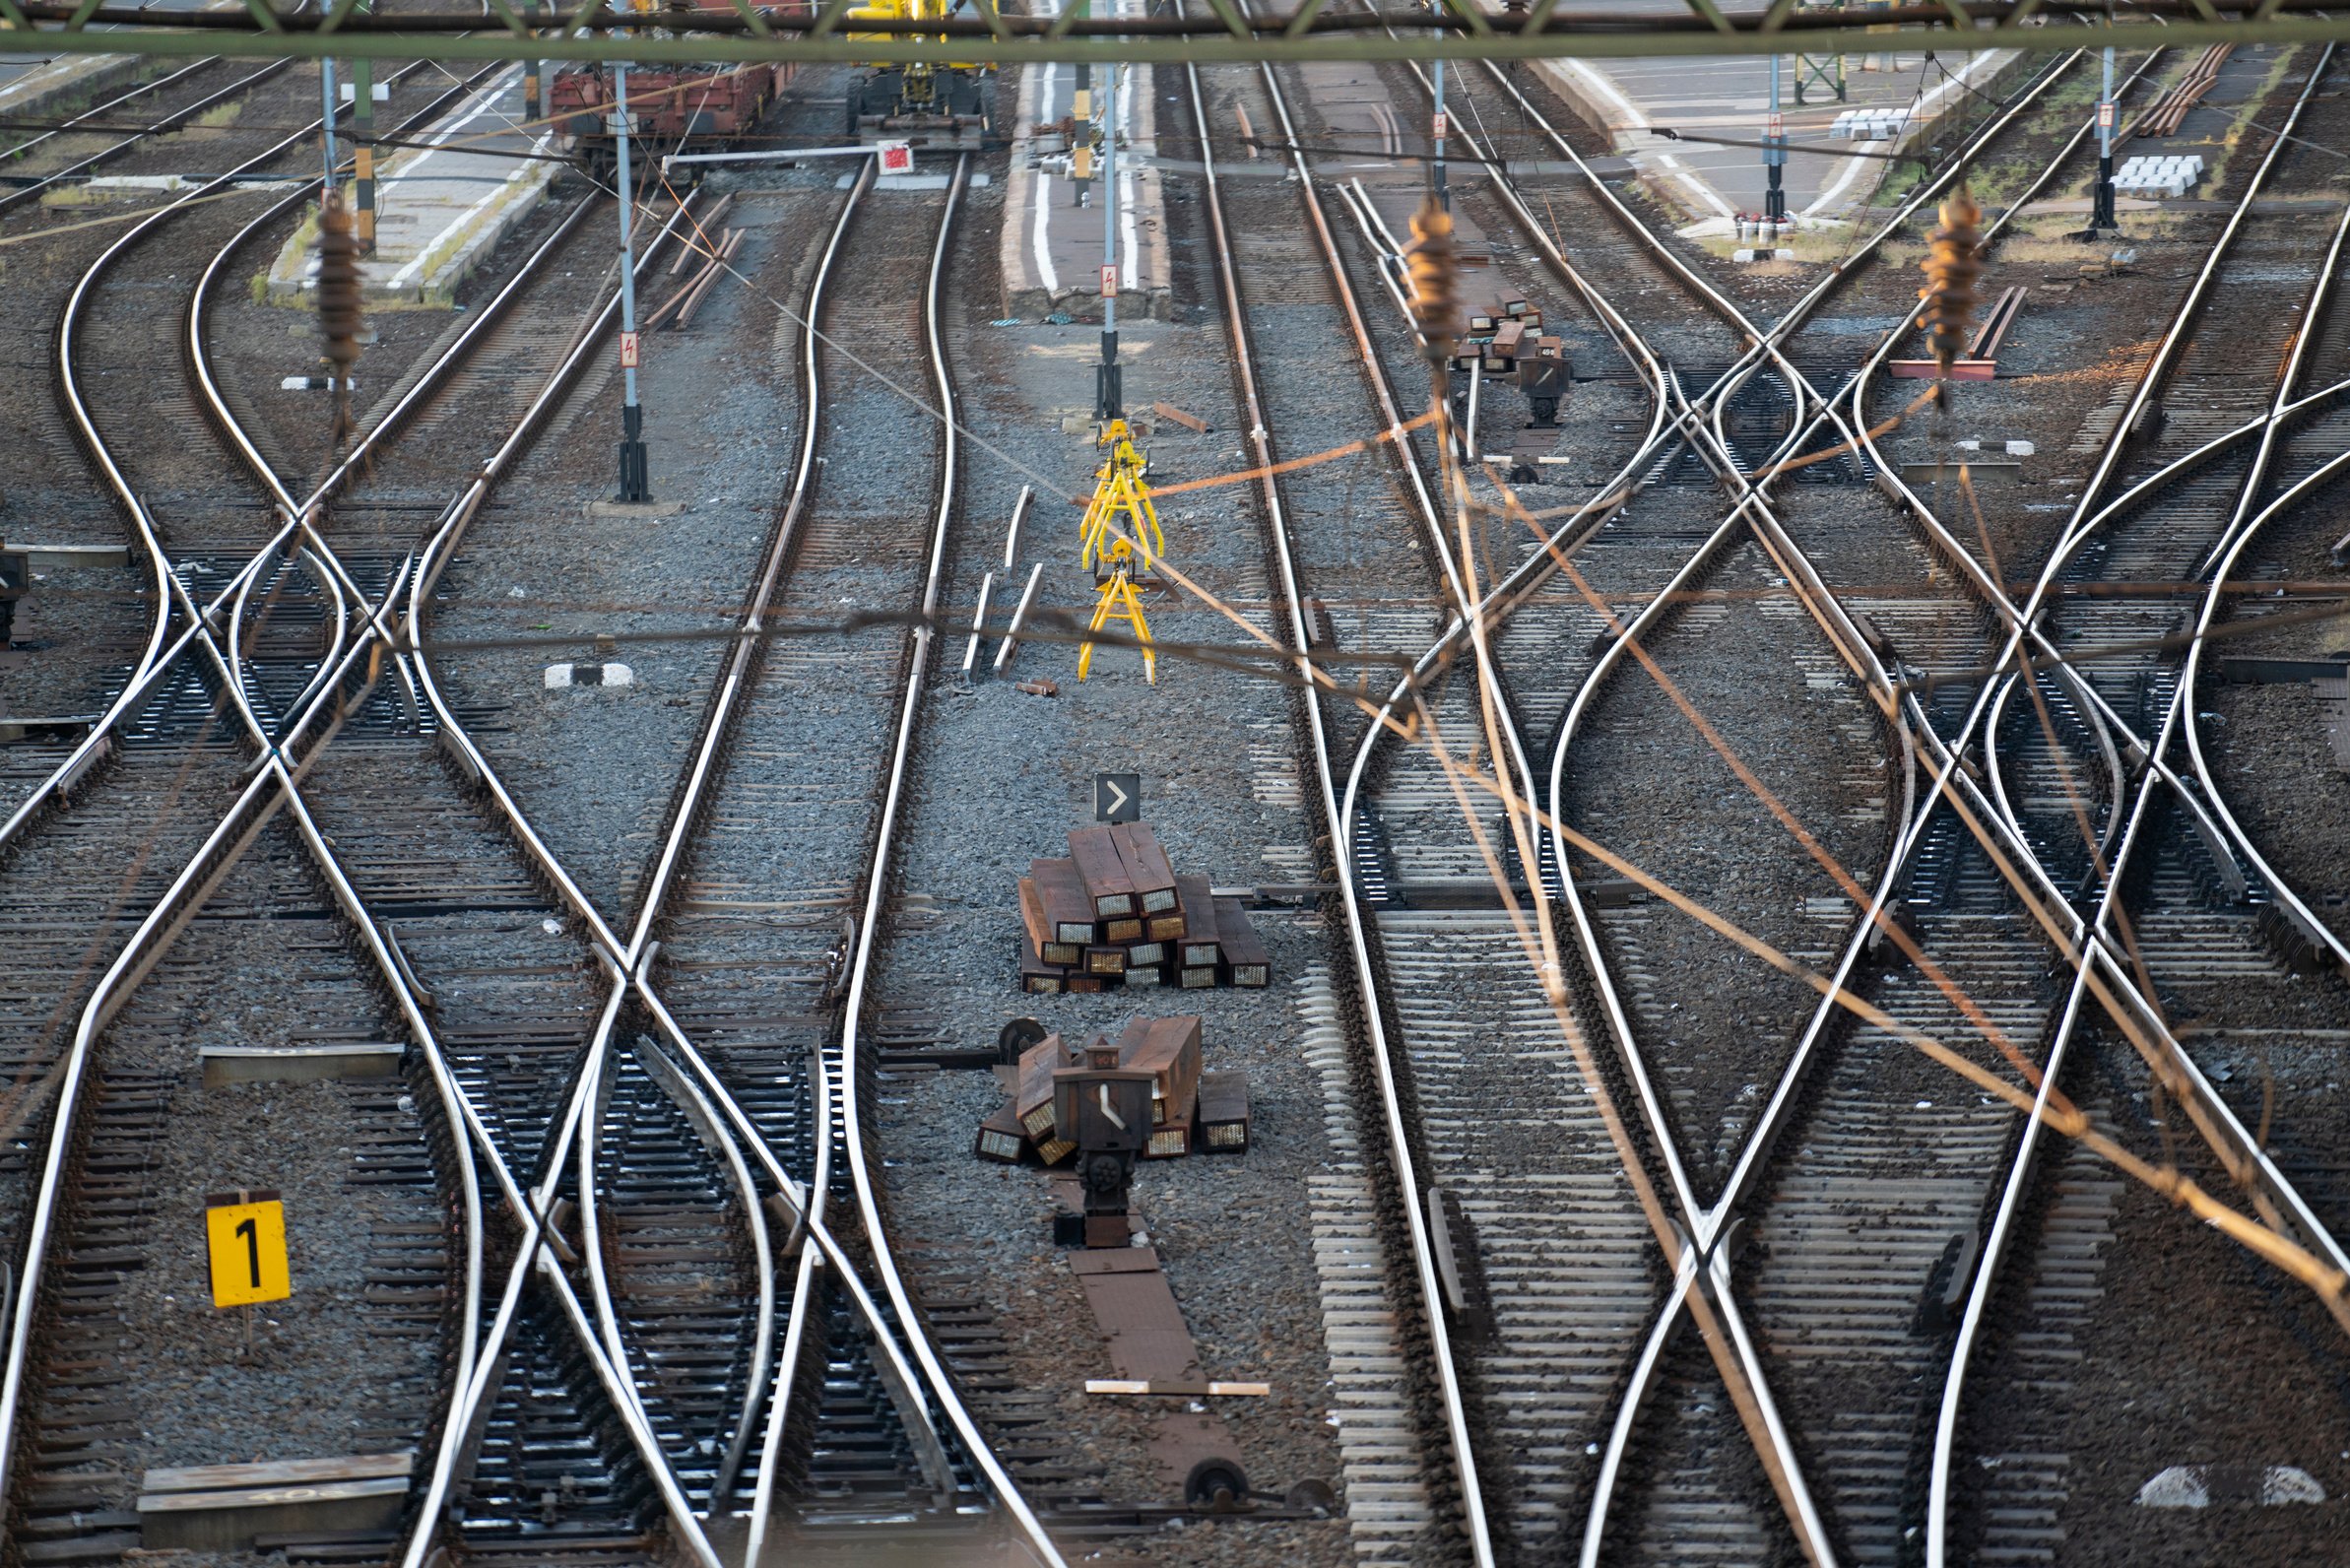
1105, 1110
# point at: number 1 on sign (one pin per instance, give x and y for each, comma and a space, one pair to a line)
247, 1244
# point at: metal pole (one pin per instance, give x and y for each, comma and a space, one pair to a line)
2100, 214
1080, 104
362, 137
1444, 197
326, 92
1109, 398
635, 484
1774, 158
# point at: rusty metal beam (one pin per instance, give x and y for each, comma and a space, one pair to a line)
592, 32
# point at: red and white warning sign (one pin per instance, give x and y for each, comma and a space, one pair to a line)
1775, 125
628, 350
898, 157
1109, 281
2105, 115
1440, 126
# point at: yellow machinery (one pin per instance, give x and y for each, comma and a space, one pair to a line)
1121, 502
932, 106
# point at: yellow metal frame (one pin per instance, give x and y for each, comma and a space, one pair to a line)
1120, 602
1123, 491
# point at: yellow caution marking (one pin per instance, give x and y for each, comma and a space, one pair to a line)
245, 1234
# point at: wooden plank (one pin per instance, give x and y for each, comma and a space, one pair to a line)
301, 1064
1168, 410
1146, 867
1137, 1311
279, 1472
1168, 1049
1037, 978
1224, 1112
1032, 1087
1107, 881
1000, 1136
1246, 962
1064, 893
1198, 947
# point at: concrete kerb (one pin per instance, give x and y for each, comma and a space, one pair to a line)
1027, 292
428, 282
46, 87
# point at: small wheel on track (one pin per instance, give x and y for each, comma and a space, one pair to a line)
1313, 1497
1216, 1484
1015, 1037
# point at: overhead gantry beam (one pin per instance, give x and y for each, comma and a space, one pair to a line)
1216, 35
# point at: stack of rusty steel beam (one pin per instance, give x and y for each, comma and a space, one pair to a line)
1189, 1108
1114, 913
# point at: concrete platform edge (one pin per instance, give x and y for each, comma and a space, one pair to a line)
1146, 297
36, 92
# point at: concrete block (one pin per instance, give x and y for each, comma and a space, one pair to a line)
299, 1064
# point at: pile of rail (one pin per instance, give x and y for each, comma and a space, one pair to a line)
1115, 913
716, 249
1188, 1107
2187, 92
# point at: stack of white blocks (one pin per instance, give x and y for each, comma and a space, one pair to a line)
2158, 176
1870, 125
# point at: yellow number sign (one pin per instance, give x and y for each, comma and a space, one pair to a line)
246, 1234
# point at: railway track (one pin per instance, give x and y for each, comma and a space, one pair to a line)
165, 751
835, 1435
64, 1235
2175, 898
1433, 994
671, 1348
1855, 1456
494, 1054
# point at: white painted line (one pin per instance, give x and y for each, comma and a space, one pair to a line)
1047, 77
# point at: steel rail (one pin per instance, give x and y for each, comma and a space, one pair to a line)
898, 1377
2096, 949
155, 659
1854, 650
395, 976
333, 574
1764, 344
1786, 1464
2316, 929
1742, 1363
153, 85
866, 1190
165, 920
535, 1253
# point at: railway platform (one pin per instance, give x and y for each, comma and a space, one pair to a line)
1710, 183
442, 205
1051, 247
